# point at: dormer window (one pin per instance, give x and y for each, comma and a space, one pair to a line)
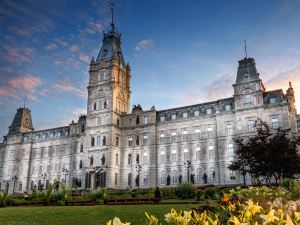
162, 119
173, 116
272, 100
227, 107
196, 113
208, 111
248, 98
185, 115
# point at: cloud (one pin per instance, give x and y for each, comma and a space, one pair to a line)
94, 26
51, 46
16, 55
15, 87
67, 87
143, 45
84, 58
74, 48
78, 112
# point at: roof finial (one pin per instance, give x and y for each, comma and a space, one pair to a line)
111, 4
24, 99
245, 48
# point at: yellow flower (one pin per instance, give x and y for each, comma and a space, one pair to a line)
117, 221
236, 221
270, 217
288, 220
253, 208
152, 219
108, 223
297, 216
231, 207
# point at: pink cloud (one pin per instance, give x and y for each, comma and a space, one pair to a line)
66, 86
74, 48
16, 55
51, 46
84, 58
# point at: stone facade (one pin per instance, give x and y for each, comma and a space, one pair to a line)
115, 148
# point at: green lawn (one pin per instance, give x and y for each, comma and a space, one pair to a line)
84, 215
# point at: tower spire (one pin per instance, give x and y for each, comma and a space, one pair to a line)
111, 4
245, 42
24, 99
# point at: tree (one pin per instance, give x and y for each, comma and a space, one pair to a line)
268, 154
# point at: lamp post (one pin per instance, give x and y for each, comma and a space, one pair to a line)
44, 176
98, 170
188, 166
138, 168
65, 173
14, 178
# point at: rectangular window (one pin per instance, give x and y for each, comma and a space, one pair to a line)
116, 179
198, 152
162, 138
117, 159
173, 136
145, 140
162, 157
230, 150
229, 128
129, 159
174, 177
173, 116
251, 126
98, 121
173, 156
197, 134
211, 151
98, 140
185, 115
117, 141
145, 157
275, 123
212, 175
232, 175
163, 178
196, 113
130, 141
208, 111
272, 100
186, 155
227, 107
145, 119
145, 177
248, 99
185, 135
162, 119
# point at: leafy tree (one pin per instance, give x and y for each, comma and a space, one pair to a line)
269, 154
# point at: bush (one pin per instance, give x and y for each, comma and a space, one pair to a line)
168, 193
185, 191
287, 183
157, 193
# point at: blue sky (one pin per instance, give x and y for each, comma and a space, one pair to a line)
180, 52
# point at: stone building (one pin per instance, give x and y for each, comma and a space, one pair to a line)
115, 148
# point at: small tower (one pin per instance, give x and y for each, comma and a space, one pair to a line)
22, 122
248, 88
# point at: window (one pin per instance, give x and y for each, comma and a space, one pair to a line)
80, 164
198, 152
197, 134
145, 177
101, 76
117, 141
173, 136
274, 123
98, 121
137, 119
95, 106
105, 104
230, 149
173, 155
212, 175
81, 148
145, 157
208, 111
175, 177
232, 175
250, 126
173, 117
162, 119
227, 107
130, 141
40, 169
92, 141
211, 151
98, 159
185, 115
98, 140
248, 99
209, 129
145, 140
198, 175
129, 159
118, 122
185, 135
137, 140
162, 138
272, 100
116, 179
229, 128
117, 159
137, 159
130, 179
185, 155
163, 178
162, 157
145, 119
104, 141
196, 113
20, 186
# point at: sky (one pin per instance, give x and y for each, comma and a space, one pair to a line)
181, 52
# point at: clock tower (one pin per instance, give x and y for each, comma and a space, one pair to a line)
108, 99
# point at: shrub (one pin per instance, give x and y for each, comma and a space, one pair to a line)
185, 191
157, 193
287, 183
168, 193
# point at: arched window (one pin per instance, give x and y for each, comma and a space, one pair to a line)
129, 159
80, 164
130, 179
91, 160
81, 148
163, 178
92, 141
101, 76
104, 140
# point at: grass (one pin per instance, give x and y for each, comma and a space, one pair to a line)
84, 215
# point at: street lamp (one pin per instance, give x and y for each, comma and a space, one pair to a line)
138, 168
65, 173
188, 166
14, 178
44, 176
